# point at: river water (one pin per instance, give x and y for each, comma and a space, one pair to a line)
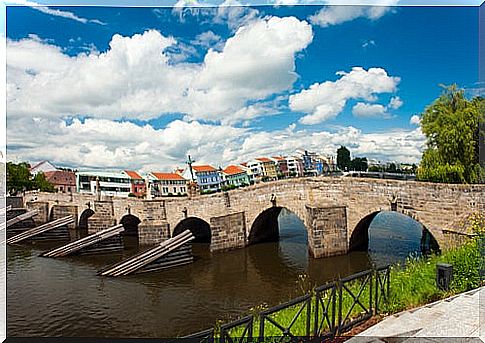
64, 297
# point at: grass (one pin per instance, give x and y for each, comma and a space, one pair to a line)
414, 284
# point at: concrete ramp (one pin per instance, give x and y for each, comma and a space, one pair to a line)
38, 230
92, 243
22, 217
169, 253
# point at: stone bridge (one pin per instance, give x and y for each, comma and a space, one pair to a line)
336, 211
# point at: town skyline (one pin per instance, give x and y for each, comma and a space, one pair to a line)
147, 88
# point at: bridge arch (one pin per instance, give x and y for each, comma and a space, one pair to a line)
199, 228
83, 218
359, 239
265, 228
130, 223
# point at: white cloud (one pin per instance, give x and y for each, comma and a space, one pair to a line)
258, 61
208, 39
101, 143
234, 14
136, 77
395, 103
362, 109
55, 12
334, 15
415, 120
324, 101
368, 43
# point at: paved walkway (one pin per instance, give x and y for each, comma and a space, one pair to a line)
460, 318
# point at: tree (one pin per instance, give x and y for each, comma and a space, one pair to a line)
343, 158
359, 164
19, 179
40, 182
391, 168
451, 126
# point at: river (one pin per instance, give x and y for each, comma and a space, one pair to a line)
64, 297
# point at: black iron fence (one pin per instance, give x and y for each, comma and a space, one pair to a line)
329, 311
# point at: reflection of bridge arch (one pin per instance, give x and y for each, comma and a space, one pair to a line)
265, 226
83, 219
359, 239
199, 228
130, 224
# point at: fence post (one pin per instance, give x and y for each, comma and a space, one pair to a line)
339, 286
261, 328
308, 315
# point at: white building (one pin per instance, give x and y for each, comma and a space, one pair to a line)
167, 184
295, 166
110, 183
42, 167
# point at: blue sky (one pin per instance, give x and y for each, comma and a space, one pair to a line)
113, 87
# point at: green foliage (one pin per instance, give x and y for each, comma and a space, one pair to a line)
228, 187
374, 169
359, 164
415, 283
451, 126
391, 168
40, 182
131, 195
19, 179
343, 158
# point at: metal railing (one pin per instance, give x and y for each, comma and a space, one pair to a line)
331, 310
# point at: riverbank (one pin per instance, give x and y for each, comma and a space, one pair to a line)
412, 284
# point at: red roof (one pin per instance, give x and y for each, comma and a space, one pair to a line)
61, 177
245, 164
264, 159
168, 176
204, 168
133, 175
279, 158
232, 170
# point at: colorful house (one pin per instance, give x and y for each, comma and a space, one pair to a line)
207, 177
138, 186
63, 181
167, 184
235, 176
263, 168
281, 165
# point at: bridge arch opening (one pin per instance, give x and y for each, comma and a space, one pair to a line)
83, 219
199, 228
276, 223
130, 224
387, 233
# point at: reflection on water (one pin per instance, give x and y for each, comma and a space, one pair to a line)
70, 300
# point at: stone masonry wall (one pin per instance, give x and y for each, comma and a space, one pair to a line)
153, 228
153, 234
102, 218
43, 207
327, 231
60, 211
228, 232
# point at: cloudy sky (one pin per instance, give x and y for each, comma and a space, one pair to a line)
140, 88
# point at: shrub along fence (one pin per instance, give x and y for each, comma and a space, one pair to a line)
328, 311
